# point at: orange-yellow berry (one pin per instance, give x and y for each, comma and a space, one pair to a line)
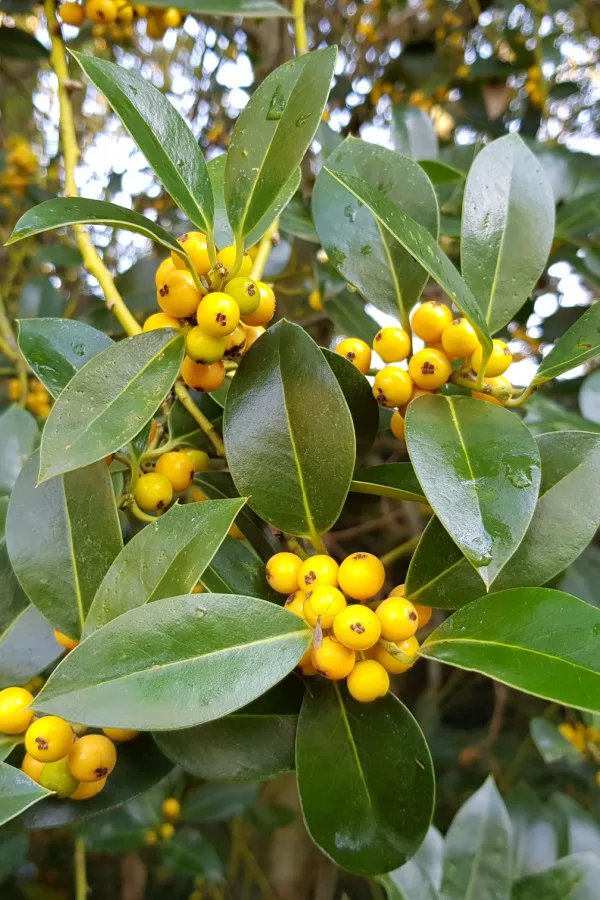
392, 386
430, 319
424, 613
15, 718
72, 13
357, 627
218, 314
282, 572
171, 808
49, 738
459, 338
266, 307
202, 378
361, 576
153, 491
319, 569
332, 660
122, 735
246, 294
160, 320
391, 663
253, 332
226, 257
306, 664
167, 267
199, 459
65, 641
429, 368
102, 12
88, 789
314, 301
178, 296
398, 591
92, 757
498, 362
295, 603
322, 605
204, 348
178, 468
171, 18
399, 619
368, 681
235, 342
397, 425
32, 767
193, 242
392, 344
357, 352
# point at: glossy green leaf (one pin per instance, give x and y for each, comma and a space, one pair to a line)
580, 217
17, 792
218, 802
440, 173
272, 134
534, 835
507, 228
16, 43
296, 219
164, 559
346, 310
421, 876
19, 436
181, 425
8, 742
382, 766
541, 641
572, 878
578, 345
176, 663
420, 244
56, 348
161, 134
477, 849
438, 574
589, 397
236, 568
254, 9
109, 400
413, 133
363, 406
356, 241
27, 647
189, 853
283, 403
62, 536
480, 469
395, 480
552, 746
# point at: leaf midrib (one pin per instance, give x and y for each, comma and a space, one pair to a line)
352, 742
74, 564
495, 279
468, 461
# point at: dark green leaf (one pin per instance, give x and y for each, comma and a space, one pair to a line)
507, 228
254, 9
438, 574
581, 578
373, 813
164, 559
109, 400
480, 469
396, 480
18, 44
13, 853
363, 406
62, 536
580, 343
8, 742
541, 641
18, 437
534, 836
553, 747
56, 348
356, 241
181, 425
283, 403
191, 854
346, 310
297, 221
176, 663
272, 134
440, 173
137, 285
572, 878
39, 297
236, 568
413, 133
27, 646
583, 831
580, 217
421, 876
17, 792
218, 802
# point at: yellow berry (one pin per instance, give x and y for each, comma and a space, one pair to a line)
153, 492
314, 301
88, 789
430, 319
332, 659
218, 314
122, 735
226, 257
398, 617
32, 767
398, 591
155, 28
160, 320
49, 738
199, 459
253, 332
202, 378
424, 613
245, 292
295, 603
92, 757
319, 569
125, 12
178, 296
178, 468
306, 664
171, 18
140, 11
58, 778
282, 572
392, 386
368, 680
235, 342
72, 13
429, 368
392, 344
171, 808
235, 533
65, 641
166, 268
357, 627
357, 352
494, 383
193, 242
361, 576
166, 831
266, 307
498, 362
459, 338
150, 838
202, 347
391, 663
397, 425
322, 605
15, 718
14, 389
103, 12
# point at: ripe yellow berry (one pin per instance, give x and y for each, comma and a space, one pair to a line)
361, 576
226, 257
282, 572
368, 680
171, 808
430, 319
235, 342
398, 591
178, 468
92, 757
58, 778
160, 320
424, 614
429, 368
416, 392
14, 389
306, 664
319, 569
235, 533
357, 352
193, 242
155, 28
150, 838
88, 789
166, 268
494, 383
246, 294
332, 659
199, 459
32, 767
398, 617
15, 718
122, 735
266, 307
314, 301
391, 663
498, 362
102, 12
295, 604
178, 296
72, 13
253, 332
153, 491
202, 347
397, 425
65, 641
322, 605
49, 738
392, 344
171, 18
392, 386
202, 378
218, 314
459, 338
125, 12
357, 627
140, 11
166, 831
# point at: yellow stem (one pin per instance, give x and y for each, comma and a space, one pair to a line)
91, 258
81, 886
299, 27
264, 250
198, 416
399, 551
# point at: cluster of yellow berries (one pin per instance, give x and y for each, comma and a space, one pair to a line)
111, 12
21, 165
586, 741
534, 86
171, 811
228, 318
59, 756
447, 340
172, 474
362, 641
38, 399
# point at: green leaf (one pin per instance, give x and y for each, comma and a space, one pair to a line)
507, 228
534, 835
477, 849
541, 641
552, 746
283, 403
236, 568
440, 173
356, 241
395, 480
39, 297
583, 831
589, 397
421, 245
346, 310
272, 134
191, 854
137, 285
13, 853
358, 765
578, 345
413, 133
27, 647
572, 878
18, 44
17, 792
421, 876
217, 802
176, 663
8, 742
18, 437
253, 9
296, 220
57, 348
580, 217
438, 574
161, 134
181, 425
363, 406
164, 559
480, 469
109, 400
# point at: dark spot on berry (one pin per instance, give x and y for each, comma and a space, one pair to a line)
251, 290
456, 321
42, 743
183, 238
321, 672
101, 772
221, 318
357, 627
381, 398
507, 352
164, 290
412, 616
160, 504
427, 368
308, 595
289, 600
351, 355
360, 556
377, 337
268, 574
436, 302
310, 577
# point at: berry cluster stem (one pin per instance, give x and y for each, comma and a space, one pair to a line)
81, 885
264, 249
301, 37
198, 416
